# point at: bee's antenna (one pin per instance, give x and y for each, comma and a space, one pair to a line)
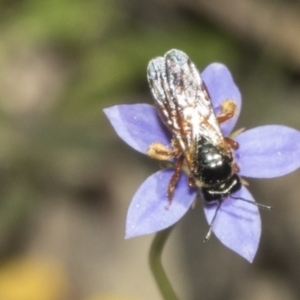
263, 206
212, 223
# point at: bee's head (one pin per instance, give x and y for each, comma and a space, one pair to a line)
221, 190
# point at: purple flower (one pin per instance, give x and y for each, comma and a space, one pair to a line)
264, 152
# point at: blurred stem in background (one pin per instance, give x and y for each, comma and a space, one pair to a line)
156, 266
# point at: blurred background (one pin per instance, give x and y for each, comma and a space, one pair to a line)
66, 180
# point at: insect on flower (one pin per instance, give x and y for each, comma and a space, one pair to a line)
185, 107
263, 152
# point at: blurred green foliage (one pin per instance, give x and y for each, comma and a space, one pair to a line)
107, 49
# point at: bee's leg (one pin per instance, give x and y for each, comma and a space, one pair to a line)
223, 118
174, 180
235, 168
233, 144
228, 110
194, 203
161, 152
244, 182
191, 182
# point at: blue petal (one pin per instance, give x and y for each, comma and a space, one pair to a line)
221, 86
147, 212
268, 151
237, 225
138, 125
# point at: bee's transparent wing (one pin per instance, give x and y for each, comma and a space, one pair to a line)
183, 100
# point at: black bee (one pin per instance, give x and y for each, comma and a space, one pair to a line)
185, 107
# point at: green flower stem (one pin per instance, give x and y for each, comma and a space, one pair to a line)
157, 269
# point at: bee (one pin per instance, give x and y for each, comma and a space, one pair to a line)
185, 107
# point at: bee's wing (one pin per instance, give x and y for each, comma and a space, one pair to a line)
183, 100
161, 92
